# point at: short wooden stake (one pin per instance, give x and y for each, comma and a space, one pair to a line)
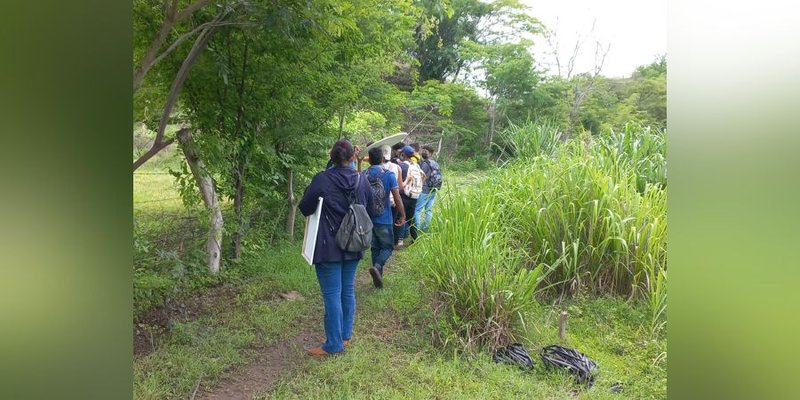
562, 326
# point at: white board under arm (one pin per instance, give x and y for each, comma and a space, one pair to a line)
310, 234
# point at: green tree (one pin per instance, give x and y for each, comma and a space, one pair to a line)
450, 115
157, 23
446, 28
641, 98
650, 83
511, 80
263, 97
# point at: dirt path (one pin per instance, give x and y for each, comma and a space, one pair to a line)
273, 363
279, 360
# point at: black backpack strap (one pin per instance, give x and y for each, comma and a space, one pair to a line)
430, 171
352, 196
380, 173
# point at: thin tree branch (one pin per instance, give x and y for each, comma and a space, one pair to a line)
571, 62
179, 40
180, 77
190, 9
151, 152
172, 18
152, 51
197, 48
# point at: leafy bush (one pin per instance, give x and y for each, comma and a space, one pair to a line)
476, 163
530, 139
149, 289
459, 165
481, 281
549, 225
481, 162
644, 149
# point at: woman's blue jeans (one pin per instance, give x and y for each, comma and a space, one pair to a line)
336, 282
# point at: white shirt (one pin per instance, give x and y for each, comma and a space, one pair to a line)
390, 166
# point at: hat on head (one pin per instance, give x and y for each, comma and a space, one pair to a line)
408, 150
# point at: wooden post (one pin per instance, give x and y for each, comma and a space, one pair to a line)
562, 326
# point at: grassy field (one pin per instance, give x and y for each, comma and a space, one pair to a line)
391, 355
241, 322
155, 191
242, 317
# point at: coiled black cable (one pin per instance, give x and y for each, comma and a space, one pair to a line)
580, 366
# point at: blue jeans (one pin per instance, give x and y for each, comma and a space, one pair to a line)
425, 202
336, 282
382, 241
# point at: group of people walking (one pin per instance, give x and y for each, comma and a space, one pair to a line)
410, 179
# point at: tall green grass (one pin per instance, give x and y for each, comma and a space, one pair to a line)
587, 216
530, 139
482, 282
642, 148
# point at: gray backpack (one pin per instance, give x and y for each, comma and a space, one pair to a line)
378, 192
355, 232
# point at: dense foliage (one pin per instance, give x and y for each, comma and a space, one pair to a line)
583, 216
265, 87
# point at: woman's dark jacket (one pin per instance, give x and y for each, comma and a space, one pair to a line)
334, 185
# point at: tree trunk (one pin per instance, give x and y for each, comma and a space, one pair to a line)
492, 117
341, 124
574, 106
206, 186
241, 162
237, 206
292, 203
458, 70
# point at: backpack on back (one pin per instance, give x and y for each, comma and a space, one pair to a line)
378, 192
414, 188
355, 231
435, 180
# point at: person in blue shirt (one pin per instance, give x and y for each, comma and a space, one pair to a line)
382, 229
336, 268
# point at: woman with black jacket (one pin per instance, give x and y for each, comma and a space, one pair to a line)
336, 268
